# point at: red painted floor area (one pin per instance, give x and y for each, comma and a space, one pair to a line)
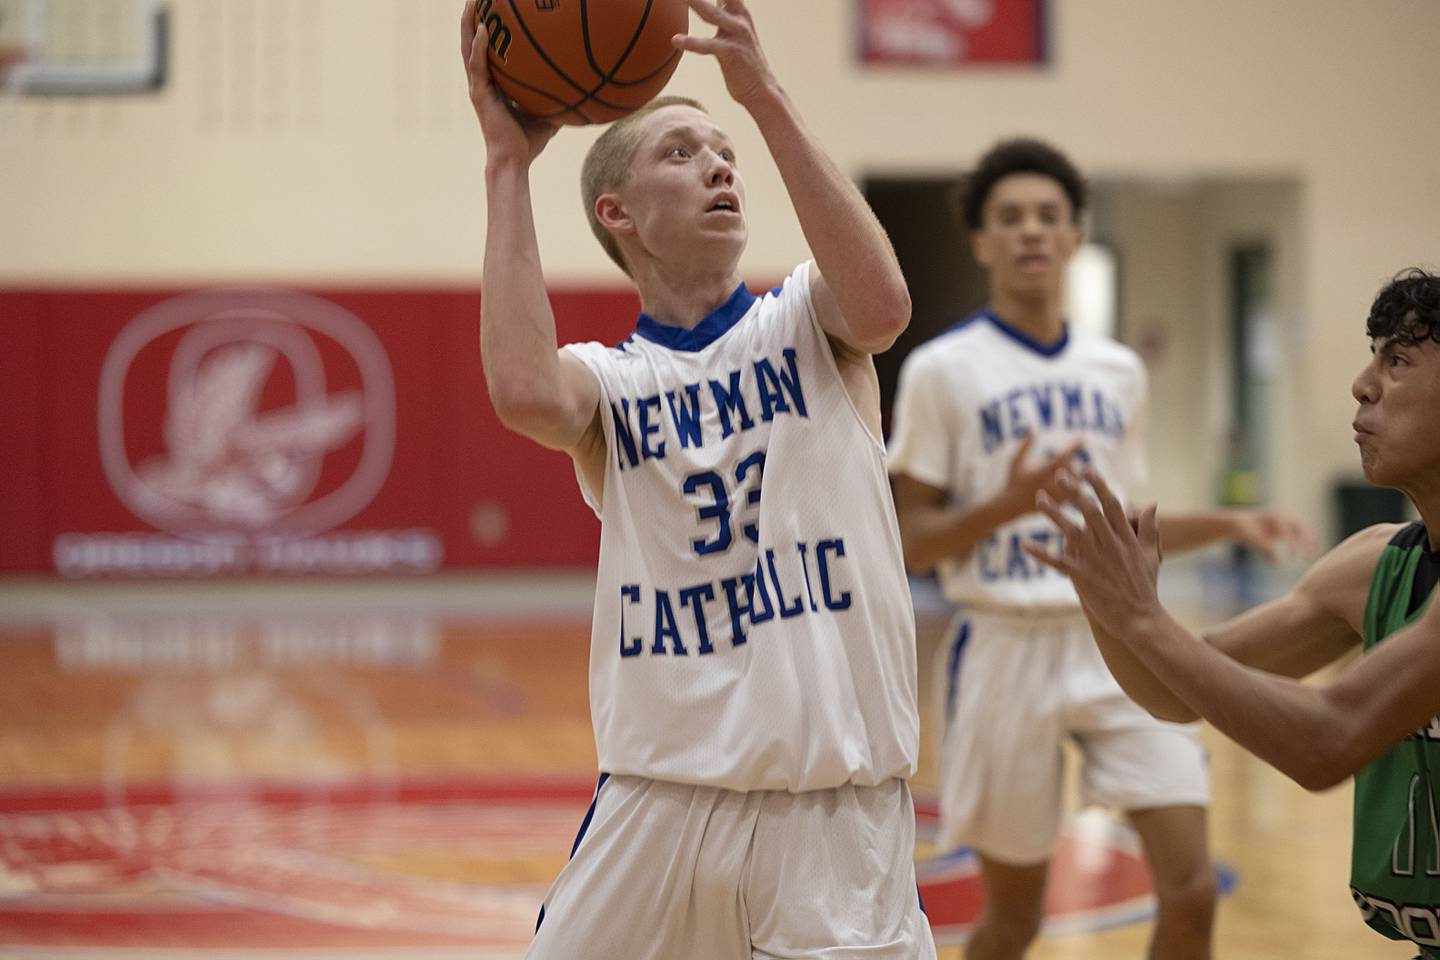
381, 864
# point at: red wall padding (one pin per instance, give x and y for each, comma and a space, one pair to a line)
457, 483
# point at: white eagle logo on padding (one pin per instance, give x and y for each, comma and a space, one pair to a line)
234, 462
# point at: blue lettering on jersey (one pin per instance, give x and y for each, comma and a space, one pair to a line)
809, 592
1074, 397
739, 610
686, 416
625, 440
990, 429
1011, 417
649, 429
629, 647
1017, 566
771, 386
665, 626
796, 607
1043, 396
1002, 556
696, 597
837, 549
747, 600
761, 609
775, 387
730, 401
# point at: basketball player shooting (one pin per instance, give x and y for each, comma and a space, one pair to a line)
752, 663
1377, 719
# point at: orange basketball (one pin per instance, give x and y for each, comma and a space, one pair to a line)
582, 61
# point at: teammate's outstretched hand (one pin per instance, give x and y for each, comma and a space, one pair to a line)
1275, 534
506, 135
735, 45
1112, 562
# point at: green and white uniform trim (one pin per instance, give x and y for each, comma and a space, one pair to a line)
1395, 856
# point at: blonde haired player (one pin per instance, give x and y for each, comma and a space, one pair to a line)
984, 415
752, 666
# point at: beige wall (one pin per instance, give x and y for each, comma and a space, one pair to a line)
1173, 240
309, 140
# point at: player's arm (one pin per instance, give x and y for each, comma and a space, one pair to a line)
1312, 625
1264, 530
859, 294
931, 530
1316, 735
536, 391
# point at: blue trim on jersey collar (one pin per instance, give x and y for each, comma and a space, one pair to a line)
1024, 339
707, 331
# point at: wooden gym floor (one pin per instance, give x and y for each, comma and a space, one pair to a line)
398, 769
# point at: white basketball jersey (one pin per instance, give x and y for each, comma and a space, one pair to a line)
965, 402
753, 626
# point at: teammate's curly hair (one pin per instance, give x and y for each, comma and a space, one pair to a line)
1407, 309
1019, 155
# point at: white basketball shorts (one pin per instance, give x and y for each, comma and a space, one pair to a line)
666, 871
1010, 691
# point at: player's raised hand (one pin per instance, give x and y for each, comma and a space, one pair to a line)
1113, 563
506, 135
1025, 482
1275, 534
735, 45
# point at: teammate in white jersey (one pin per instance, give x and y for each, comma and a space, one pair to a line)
752, 665
984, 414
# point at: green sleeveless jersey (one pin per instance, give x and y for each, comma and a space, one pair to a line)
1395, 857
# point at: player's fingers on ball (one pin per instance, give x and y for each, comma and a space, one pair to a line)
691, 43
707, 11
475, 57
467, 28
737, 13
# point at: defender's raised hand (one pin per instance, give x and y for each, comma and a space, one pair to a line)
735, 44
507, 136
1113, 565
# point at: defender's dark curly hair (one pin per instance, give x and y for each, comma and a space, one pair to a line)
1019, 155
1407, 309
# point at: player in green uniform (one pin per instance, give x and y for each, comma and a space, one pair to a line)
1377, 720
1395, 859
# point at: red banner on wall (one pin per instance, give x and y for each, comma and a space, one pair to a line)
952, 33
259, 431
